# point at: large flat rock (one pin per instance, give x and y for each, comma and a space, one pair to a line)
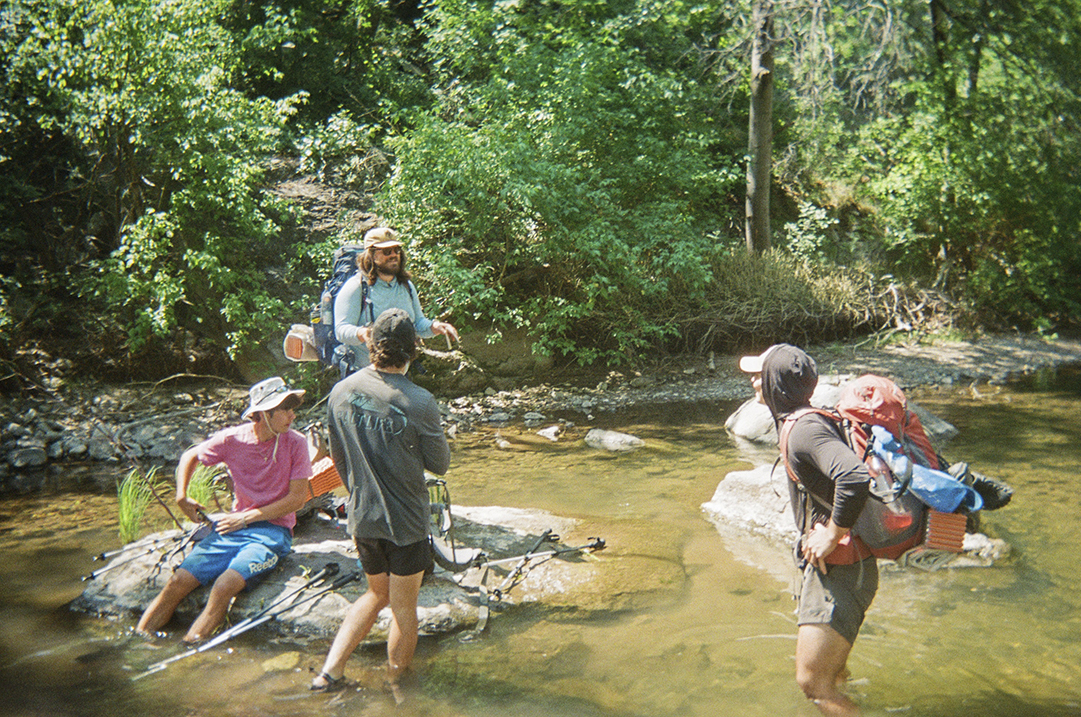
448, 602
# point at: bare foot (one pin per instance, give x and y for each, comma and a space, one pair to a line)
394, 690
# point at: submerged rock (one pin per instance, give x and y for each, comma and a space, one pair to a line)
602, 439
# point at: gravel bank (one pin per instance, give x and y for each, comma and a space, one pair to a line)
122, 423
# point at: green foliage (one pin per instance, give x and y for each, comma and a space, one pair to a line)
355, 56
956, 205
341, 150
172, 156
568, 186
133, 498
572, 166
808, 236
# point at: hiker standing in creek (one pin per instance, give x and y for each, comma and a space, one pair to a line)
381, 282
385, 431
269, 465
835, 592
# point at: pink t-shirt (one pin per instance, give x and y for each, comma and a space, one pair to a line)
260, 476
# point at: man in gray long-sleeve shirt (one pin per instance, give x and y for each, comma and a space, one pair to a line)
385, 431
381, 282
840, 578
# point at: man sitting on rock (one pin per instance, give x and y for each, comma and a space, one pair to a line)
269, 466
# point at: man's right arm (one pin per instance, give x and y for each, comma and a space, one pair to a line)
185, 469
433, 440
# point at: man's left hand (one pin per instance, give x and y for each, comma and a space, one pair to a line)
230, 523
442, 327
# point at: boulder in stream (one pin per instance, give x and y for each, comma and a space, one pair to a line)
615, 441
448, 602
757, 501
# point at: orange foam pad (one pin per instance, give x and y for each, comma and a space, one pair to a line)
324, 478
945, 531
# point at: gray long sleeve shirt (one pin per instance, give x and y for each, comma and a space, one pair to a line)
385, 431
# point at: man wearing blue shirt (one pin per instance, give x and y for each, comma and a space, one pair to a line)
382, 268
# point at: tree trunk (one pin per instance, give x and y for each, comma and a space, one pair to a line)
760, 131
940, 35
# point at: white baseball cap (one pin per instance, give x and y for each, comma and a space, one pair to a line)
753, 364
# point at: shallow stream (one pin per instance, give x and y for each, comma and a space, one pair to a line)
686, 619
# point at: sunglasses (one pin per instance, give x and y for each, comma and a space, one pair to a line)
388, 250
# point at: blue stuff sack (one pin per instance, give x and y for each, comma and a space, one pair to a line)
937, 489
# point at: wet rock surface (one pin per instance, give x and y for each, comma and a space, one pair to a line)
448, 603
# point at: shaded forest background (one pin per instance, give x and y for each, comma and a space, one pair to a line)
576, 169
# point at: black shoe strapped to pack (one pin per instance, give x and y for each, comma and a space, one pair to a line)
995, 493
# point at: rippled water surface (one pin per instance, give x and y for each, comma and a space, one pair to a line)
685, 620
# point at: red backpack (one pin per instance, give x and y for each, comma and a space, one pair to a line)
877, 401
892, 519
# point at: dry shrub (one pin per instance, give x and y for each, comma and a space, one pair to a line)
758, 300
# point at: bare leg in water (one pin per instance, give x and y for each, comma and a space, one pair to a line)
821, 659
398, 591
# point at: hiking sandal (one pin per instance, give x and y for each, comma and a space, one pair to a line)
330, 684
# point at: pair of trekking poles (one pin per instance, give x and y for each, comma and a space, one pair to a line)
522, 563
182, 541
280, 606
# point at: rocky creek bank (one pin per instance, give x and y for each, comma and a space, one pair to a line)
152, 425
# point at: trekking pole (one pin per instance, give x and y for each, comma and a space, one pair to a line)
486, 597
593, 545
545, 537
263, 616
329, 570
133, 558
181, 540
157, 543
197, 533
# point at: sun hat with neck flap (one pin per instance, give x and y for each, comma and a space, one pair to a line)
268, 394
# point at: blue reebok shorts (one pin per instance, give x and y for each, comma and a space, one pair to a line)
250, 551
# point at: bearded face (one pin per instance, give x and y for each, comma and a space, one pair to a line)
388, 260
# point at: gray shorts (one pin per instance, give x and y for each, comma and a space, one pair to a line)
839, 598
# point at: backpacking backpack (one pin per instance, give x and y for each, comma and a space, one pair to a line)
877, 401
322, 318
892, 518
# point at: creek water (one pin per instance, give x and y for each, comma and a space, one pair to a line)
685, 619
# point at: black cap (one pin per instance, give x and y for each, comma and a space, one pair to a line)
789, 378
396, 326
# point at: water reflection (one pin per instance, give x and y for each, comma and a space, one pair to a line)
684, 620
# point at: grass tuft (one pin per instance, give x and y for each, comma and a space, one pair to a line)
134, 495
